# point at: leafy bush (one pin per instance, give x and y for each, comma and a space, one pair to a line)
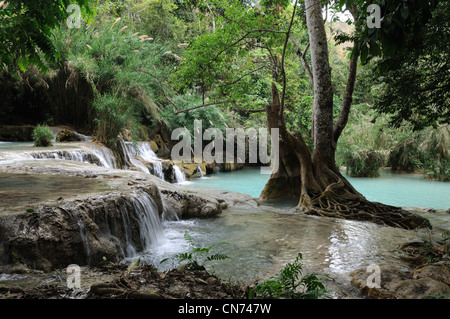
363, 163
43, 136
435, 148
405, 155
113, 115
289, 284
427, 150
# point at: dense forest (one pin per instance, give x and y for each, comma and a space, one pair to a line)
133, 68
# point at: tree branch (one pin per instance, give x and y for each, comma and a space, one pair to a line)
302, 56
204, 105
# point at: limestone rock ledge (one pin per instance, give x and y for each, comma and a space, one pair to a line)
88, 230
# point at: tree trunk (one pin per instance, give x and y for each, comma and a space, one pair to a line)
314, 179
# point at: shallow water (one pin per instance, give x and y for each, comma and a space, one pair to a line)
263, 240
22, 191
404, 190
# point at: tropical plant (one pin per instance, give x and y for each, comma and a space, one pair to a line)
290, 284
26, 28
196, 257
436, 155
43, 136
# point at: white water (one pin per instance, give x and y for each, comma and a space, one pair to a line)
150, 226
178, 175
201, 172
139, 154
141, 151
83, 152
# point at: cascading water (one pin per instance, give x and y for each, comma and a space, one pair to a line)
130, 251
105, 156
79, 152
178, 175
150, 225
83, 236
199, 169
143, 151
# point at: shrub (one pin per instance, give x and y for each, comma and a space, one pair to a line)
43, 136
363, 163
405, 155
288, 283
112, 117
197, 256
436, 156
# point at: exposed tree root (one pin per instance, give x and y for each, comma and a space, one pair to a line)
356, 207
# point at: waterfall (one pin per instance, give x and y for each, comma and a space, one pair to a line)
105, 156
100, 156
199, 169
129, 249
83, 236
150, 225
178, 175
143, 151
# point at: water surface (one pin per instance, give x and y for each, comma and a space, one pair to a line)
403, 190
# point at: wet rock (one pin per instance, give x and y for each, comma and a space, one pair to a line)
427, 282
66, 135
191, 170
82, 232
191, 205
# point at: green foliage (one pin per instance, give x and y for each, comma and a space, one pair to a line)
157, 19
43, 136
364, 145
211, 116
127, 73
198, 256
290, 284
362, 163
435, 148
402, 24
415, 85
26, 28
113, 116
426, 150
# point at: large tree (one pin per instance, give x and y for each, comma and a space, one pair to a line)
309, 174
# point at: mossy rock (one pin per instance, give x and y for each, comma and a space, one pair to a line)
66, 135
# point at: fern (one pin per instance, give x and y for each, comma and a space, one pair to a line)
289, 283
197, 256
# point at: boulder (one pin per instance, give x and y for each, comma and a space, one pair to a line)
190, 205
66, 135
82, 232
